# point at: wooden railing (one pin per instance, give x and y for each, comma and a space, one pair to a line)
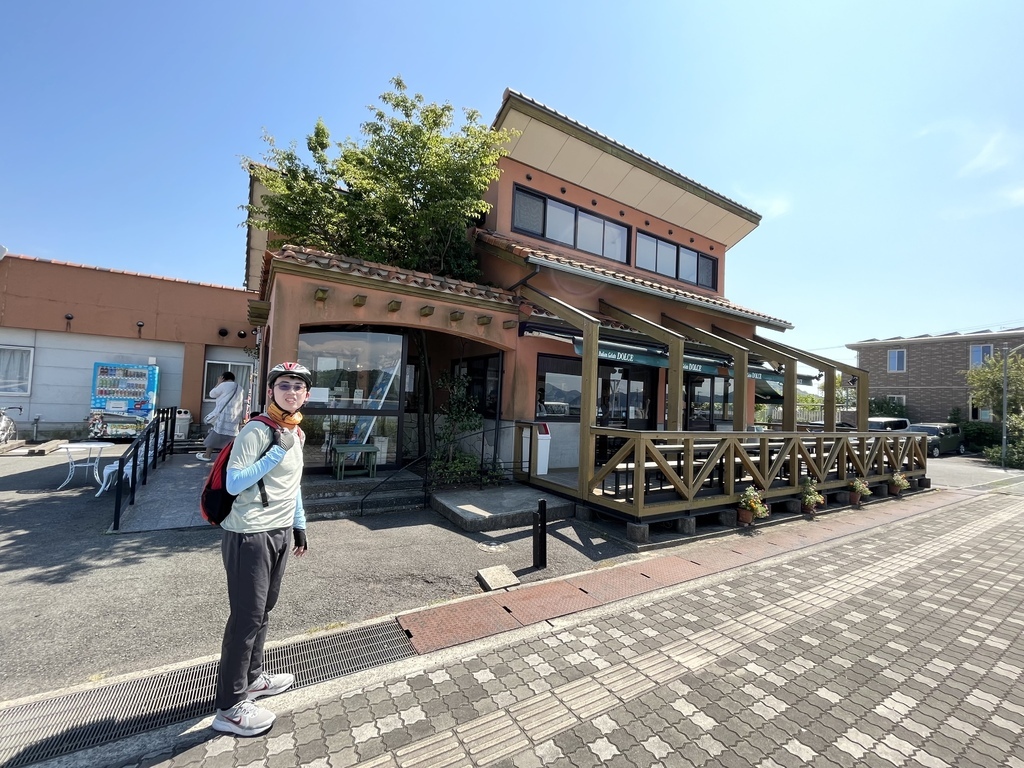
645, 474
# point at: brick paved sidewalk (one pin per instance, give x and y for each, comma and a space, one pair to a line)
897, 646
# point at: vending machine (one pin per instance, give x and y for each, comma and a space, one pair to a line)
123, 399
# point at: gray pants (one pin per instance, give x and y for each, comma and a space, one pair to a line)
254, 563
215, 441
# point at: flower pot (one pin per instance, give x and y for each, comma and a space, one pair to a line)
807, 509
855, 498
745, 516
895, 490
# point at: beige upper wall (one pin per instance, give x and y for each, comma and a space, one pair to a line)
38, 294
514, 172
566, 149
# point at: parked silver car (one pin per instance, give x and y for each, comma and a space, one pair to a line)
888, 424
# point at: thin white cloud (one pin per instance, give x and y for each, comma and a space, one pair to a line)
995, 154
1013, 196
770, 207
1001, 200
988, 149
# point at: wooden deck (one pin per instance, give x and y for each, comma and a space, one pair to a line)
656, 475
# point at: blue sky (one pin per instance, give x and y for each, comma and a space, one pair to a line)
883, 143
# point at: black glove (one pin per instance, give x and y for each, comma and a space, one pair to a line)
285, 438
300, 538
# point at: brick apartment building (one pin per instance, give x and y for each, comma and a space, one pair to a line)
927, 373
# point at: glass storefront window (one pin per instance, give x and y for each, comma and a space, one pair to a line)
356, 394
326, 434
353, 369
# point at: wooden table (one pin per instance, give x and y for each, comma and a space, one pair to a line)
342, 451
93, 452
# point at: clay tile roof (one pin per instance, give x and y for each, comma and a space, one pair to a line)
387, 273
533, 255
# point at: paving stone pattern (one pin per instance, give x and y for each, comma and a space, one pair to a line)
900, 647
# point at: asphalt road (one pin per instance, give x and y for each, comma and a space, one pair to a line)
79, 605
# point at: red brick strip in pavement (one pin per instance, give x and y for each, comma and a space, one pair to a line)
446, 625
547, 600
668, 570
431, 629
610, 584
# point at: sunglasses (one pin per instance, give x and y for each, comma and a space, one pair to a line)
286, 387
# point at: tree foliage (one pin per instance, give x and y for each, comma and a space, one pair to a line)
986, 384
404, 196
883, 406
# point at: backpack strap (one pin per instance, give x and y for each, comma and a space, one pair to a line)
273, 426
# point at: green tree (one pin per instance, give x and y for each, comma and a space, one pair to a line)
405, 196
450, 464
883, 406
986, 384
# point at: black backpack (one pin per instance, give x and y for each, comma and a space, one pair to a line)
215, 501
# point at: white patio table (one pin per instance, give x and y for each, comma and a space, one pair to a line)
93, 451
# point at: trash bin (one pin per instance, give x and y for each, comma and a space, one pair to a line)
182, 421
543, 448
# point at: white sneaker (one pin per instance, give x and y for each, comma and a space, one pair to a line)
244, 719
203, 457
269, 685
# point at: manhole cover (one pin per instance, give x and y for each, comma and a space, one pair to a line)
492, 546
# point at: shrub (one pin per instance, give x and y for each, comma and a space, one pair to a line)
981, 434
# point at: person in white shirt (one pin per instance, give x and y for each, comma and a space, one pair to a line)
225, 417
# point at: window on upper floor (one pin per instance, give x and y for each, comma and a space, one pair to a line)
16, 370
541, 216
979, 354
897, 361
676, 261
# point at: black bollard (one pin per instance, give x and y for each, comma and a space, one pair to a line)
540, 535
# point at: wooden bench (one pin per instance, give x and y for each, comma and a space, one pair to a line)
341, 452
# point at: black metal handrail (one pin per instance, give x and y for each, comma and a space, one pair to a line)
405, 467
155, 442
425, 459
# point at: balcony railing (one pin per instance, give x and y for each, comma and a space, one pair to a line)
660, 475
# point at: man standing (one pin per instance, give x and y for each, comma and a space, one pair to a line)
267, 517
225, 415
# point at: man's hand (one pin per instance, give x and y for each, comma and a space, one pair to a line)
210, 418
285, 438
300, 541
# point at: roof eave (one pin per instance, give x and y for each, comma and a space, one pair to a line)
514, 100
758, 320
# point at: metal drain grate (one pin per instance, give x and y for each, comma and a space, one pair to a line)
46, 729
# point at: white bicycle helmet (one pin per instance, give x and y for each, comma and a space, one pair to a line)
290, 369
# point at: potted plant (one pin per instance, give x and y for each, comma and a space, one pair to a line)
751, 505
858, 488
809, 496
898, 483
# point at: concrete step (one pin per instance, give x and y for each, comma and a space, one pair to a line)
323, 496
